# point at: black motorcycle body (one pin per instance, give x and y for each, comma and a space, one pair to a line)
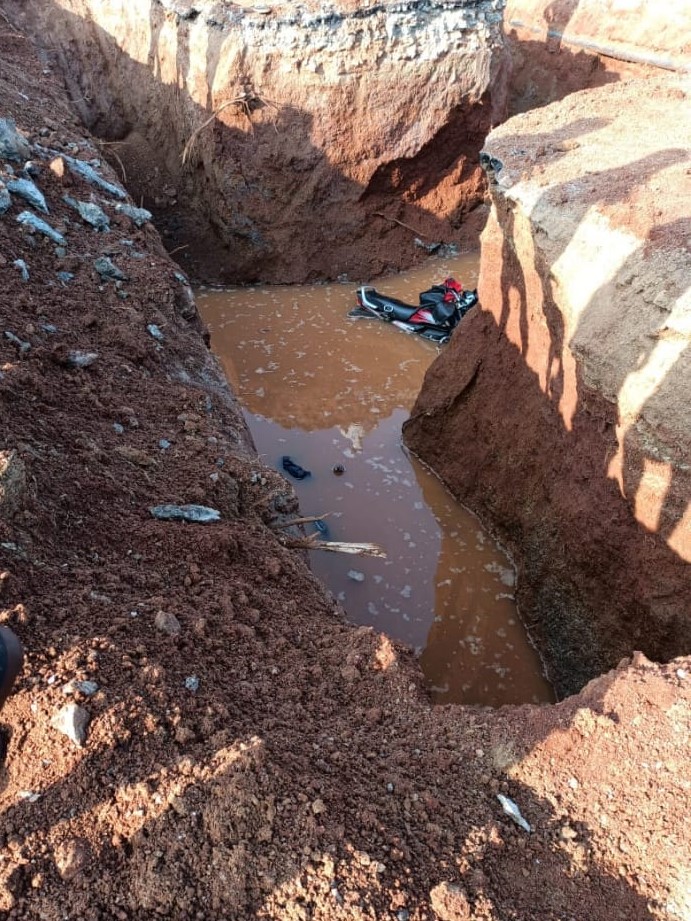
439, 312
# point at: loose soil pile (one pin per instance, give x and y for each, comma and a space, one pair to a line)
248, 754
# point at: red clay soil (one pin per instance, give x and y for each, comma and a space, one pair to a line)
307, 776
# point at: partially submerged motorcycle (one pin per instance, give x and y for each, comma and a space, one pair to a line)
441, 309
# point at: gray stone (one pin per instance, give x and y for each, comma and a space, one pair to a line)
35, 223
12, 145
86, 171
89, 213
30, 192
167, 623
23, 268
200, 514
140, 216
5, 198
108, 270
72, 720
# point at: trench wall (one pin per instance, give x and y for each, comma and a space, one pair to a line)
287, 143
560, 410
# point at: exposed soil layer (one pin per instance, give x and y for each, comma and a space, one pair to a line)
558, 47
560, 409
267, 145
306, 776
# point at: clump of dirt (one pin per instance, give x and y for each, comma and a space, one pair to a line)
247, 753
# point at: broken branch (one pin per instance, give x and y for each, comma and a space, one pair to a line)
395, 220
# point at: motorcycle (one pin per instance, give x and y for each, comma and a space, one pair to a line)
441, 309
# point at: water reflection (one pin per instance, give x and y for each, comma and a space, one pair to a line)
327, 390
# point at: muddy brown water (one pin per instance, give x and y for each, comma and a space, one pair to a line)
327, 390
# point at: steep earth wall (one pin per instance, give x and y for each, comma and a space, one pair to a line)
561, 407
330, 124
560, 46
248, 754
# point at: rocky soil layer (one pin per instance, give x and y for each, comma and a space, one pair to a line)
561, 46
561, 409
288, 142
196, 733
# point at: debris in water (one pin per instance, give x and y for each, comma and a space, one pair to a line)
65, 278
294, 469
356, 575
200, 514
192, 683
35, 223
512, 810
339, 469
30, 192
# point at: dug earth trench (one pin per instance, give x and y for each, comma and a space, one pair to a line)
248, 754
332, 129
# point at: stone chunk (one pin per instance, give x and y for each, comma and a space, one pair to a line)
12, 483
12, 145
72, 721
167, 623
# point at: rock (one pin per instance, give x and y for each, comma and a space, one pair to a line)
89, 213
140, 216
200, 514
5, 198
87, 688
12, 145
164, 444
35, 223
15, 340
23, 268
167, 623
57, 167
77, 359
513, 812
108, 270
72, 721
30, 192
71, 857
65, 278
135, 456
12, 483
318, 806
87, 172
449, 903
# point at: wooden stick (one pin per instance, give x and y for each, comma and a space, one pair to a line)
396, 221
309, 519
312, 542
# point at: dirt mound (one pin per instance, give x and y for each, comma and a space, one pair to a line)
248, 754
